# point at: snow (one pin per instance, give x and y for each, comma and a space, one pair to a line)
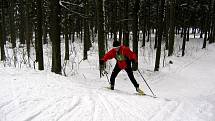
185, 90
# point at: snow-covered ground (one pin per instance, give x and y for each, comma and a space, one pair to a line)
185, 90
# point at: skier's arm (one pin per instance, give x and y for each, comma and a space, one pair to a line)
131, 55
109, 55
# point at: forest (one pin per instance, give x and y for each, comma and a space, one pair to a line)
32, 26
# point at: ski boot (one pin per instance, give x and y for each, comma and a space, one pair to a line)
140, 91
111, 87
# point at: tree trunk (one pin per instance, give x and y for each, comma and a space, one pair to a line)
160, 31
2, 43
22, 22
87, 43
40, 35
148, 23
205, 40
115, 19
156, 39
101, 38
66, 38
144, 24
66, 46
81, 32
29, 30
194, 32
182, 32
125, 26
12, 24
172, 28
55, 36
166, 26
2, 32
144, 37
184, 41
45, 40
148, 33
212, 23
135, 32
188, 34
201, 33
205, 29
73, 37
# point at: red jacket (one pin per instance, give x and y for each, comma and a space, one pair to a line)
125, 51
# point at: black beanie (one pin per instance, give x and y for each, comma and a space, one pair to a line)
116, 43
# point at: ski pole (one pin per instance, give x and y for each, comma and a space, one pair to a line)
146, 82
105, 72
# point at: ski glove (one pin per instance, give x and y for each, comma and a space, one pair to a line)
133, 61
101, 62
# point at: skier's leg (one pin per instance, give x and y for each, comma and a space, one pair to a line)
133, 80
115, 72
131, 76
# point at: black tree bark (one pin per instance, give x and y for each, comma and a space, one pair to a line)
135, 32
101, 41
160, 31
55, 36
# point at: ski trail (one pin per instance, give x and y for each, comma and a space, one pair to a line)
69, 110
42, 110
130, 114
47, 112
130, 107
165, 111
81, 109
175, 107
5, 104
158, 77
107, 107
33, 116
26, 112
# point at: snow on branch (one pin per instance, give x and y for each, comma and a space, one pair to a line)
122, 20
81, 5
80, 14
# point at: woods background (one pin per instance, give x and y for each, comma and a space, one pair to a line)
30, 25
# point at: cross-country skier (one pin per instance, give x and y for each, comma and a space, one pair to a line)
124, 56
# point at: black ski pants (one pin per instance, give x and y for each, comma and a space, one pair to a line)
129, 71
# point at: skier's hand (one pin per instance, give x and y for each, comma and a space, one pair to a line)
101, 62
133, 61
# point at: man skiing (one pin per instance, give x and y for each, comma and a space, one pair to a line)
124, 56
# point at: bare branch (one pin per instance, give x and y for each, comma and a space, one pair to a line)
81, 5
80, 14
